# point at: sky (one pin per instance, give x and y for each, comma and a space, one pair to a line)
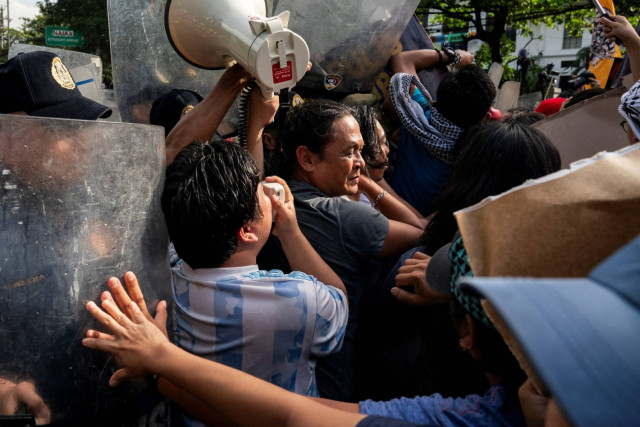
20, 9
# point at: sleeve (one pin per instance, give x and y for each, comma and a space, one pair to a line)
363, 229
420, 99
331, 319
435, 409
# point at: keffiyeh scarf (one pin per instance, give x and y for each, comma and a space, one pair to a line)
438, 134
630, 107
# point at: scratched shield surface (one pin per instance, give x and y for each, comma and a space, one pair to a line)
80, 203
350, 43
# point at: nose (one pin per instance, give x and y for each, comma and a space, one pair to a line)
359, 161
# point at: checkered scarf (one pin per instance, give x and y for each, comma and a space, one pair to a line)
438, 134
630, 107
460, 267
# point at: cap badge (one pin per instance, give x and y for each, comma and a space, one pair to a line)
61, 74
185, 110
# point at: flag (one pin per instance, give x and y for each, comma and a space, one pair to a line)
603, 51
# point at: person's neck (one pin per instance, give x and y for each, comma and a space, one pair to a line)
492, 378
354, 197
243, 256
299, 175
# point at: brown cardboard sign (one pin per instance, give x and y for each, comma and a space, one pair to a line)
561, 225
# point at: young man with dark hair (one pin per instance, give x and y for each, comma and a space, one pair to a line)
269, 324
430, 129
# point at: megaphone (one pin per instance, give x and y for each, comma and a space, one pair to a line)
211, 33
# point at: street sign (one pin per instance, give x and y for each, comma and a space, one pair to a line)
62, 36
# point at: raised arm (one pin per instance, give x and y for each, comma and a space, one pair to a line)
260, 114
203, 121
296, 247
619, 27
142, 349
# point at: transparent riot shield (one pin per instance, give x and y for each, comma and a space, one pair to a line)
80, 203
350, 41
145, 66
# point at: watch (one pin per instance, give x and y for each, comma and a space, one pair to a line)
454, 57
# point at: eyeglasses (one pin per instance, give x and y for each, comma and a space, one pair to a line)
622, 125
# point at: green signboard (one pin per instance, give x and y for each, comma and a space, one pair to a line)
62, 36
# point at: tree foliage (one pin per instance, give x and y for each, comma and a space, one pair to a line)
88, 17
492, 17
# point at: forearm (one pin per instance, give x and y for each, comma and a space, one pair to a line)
412, 61
336, 404
385, 186
191, 404
203, 121
303, 257
241, 398
633, 50
388, 205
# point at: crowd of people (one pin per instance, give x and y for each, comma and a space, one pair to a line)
345, 302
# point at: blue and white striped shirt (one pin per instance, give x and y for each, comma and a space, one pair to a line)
269, 324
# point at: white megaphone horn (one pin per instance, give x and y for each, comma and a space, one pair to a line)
211, 33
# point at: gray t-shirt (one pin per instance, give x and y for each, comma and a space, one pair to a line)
347, 235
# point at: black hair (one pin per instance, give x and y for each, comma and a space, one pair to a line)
494, 157
210, 192
584, 95
309, 124
372, 152
464, 96
496, 357
524, 116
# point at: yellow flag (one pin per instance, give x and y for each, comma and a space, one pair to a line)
603, 51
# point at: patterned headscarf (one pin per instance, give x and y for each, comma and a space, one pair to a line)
630, 107
438, 134
460, 266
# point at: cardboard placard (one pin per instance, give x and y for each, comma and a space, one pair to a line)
561, 225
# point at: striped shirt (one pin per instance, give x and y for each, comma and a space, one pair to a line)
269, 324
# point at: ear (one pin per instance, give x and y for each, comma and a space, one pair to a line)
268, 140
487, 116
306, 159
246, 234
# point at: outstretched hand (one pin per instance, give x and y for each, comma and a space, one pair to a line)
135, 335
12, 395
124, 299
134, 343
413, 273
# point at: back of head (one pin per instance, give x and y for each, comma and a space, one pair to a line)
39, 84
494, 157
372, 151
465, 96
311, 125
210, 192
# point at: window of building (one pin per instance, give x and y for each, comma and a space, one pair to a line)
571, 42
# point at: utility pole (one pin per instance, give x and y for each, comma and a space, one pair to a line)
1, 27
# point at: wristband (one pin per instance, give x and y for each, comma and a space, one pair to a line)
380, 196
440, 60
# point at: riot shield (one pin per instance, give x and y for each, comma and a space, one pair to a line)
144, 64
350, 41
80, 203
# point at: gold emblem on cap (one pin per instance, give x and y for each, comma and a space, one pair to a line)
61, 74
297, 100
185, 110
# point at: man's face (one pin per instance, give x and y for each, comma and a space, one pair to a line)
337, 167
